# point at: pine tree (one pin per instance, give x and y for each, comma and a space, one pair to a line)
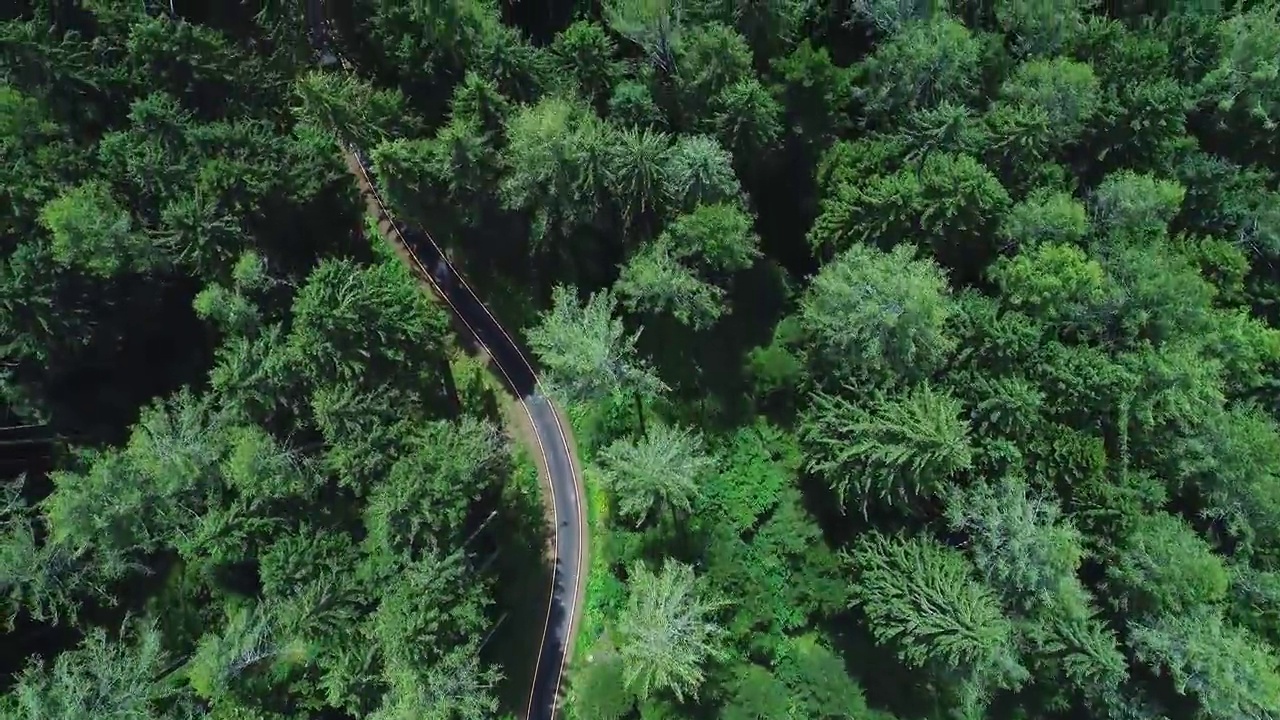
922, 599
895, 451
666, 632
586, 350
664, 468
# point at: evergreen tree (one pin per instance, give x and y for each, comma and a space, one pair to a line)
666, 632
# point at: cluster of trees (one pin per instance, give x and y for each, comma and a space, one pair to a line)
1009, 446
922, 354
241, 477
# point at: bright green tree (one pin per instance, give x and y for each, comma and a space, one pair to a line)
664, 468
666, 632
895, 451
586, 350
1164, 568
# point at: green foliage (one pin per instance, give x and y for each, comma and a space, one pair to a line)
639, 162
43, 581
342, 305
1163, 568
1045, 217
1058, 283
895, 451
872, 313
357, 111
747, 119
251, 642
818, 682
757, 466
889, 16
1136, 204
456, 687
709, 60
428, 612
666, 632
756, 694
779, 573
423, 503
1232, 460
90, 230
632, 104
770, 27
815, 92
700, 173
922, 598
663, 468
1059, 416
600, 691
1040, 29
718, 238
132, 501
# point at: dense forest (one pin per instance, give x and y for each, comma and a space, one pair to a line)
923, 358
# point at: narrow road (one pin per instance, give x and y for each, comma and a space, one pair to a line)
551, 435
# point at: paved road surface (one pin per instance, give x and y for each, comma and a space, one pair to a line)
551, 435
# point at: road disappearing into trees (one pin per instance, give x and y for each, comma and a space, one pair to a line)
550, 439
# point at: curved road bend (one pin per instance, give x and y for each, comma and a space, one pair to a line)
551, 434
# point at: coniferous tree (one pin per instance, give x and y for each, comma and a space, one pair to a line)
667, 632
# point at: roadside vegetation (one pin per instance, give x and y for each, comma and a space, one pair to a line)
922, 356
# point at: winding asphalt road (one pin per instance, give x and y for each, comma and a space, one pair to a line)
550, 438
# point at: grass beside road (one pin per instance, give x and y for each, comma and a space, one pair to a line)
603, 592
599, 577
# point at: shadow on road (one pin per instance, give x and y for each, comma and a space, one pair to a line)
550, 684
477, 330
522, 536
